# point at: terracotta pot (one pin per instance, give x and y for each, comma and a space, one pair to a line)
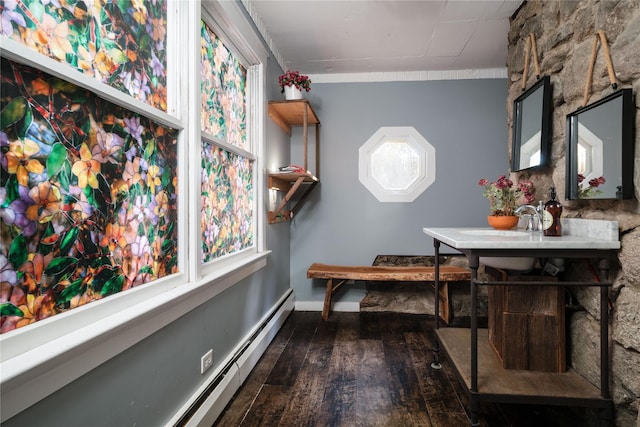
503, 222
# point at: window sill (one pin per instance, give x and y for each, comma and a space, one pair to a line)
29, 376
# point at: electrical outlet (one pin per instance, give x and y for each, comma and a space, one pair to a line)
206, 361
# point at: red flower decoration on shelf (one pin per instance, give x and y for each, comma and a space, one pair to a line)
294, 78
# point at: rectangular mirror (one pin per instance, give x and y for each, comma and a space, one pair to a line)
532, 127
600, 149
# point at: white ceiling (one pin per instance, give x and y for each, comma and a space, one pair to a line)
365, 36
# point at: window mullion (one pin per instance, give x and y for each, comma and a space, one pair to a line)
207, 137
19, 53
194, 137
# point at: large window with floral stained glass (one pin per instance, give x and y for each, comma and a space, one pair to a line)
87, 197
127, 176
88, 187
227, 188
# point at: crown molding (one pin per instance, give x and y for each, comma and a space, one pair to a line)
391, 76
264, 33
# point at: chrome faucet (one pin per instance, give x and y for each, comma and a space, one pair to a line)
531, 225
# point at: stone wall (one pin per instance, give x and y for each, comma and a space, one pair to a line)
564, 32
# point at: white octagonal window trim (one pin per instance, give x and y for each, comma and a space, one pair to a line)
397, 164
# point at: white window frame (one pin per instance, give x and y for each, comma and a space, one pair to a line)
593, 148
39, 359
224, 20
427, 163
530, 152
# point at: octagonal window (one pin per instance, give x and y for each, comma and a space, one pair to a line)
396, 164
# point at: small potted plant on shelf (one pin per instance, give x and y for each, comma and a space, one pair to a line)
504, 198
292, 83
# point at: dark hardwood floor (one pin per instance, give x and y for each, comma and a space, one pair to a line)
364, 369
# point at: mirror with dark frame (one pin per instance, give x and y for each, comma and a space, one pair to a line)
532, 127
600, 149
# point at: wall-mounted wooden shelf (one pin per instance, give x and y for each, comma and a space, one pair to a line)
292, 113
298, 186
290, 184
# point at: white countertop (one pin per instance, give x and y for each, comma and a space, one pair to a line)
487, 238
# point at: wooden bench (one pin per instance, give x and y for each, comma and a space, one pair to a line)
341, 274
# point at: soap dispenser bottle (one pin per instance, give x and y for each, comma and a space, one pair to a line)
551, 215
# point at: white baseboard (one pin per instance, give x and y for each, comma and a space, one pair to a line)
350, 307
238, 366
211, 408
249, 358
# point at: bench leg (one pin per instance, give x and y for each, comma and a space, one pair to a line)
445, 302
326, 308
445, 309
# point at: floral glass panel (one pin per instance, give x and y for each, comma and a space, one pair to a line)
87, 197
121, 43
223, 91
227, 202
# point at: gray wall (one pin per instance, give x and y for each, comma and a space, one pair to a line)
147, 384
343, 223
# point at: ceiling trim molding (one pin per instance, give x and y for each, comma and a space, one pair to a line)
392, 76
263, 31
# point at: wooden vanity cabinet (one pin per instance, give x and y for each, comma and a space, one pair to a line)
527, 323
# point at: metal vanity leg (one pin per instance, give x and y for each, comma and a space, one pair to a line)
436, 344
474, 407
474, 262
606, 416
607, 413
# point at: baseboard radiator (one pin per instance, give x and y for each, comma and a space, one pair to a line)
209, 400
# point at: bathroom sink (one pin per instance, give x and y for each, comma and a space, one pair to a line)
522, 264
489, 232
